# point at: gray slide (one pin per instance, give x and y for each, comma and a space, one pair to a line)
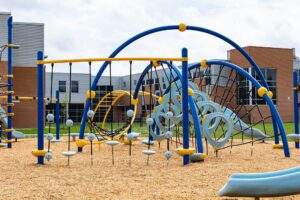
241, 126
3, 121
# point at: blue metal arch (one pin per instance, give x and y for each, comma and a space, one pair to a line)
273, 109
190, 99
159, 29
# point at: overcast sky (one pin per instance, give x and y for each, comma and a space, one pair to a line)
94, 28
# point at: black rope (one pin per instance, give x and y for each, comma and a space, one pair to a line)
170, 100
143, 98
157, 78
51, 88
111, 104
227, 99
150, 109
69, 104
130, 91
90, 84
112, 111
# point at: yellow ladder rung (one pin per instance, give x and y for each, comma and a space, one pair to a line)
8, 130
10, 92
9, 75
10, 114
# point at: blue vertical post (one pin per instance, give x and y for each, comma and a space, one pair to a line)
40, 111
57, 114
152, 127
185, 105
83, 120
296, 108
9, 81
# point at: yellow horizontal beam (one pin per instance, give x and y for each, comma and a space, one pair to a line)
26, 98
111, 59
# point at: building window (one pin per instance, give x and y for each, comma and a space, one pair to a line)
243, 94
124, 84
75, 87
156, 87
198, 73
62, 86
149, 81
296, 67
164, 86
247, 95
101, 91
270, 76
134, 82
163, 79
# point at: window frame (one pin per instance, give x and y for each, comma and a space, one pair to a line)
62, 85
252, 97
72, 86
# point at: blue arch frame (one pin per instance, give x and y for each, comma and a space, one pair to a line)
190, 101
273, 109
155, 30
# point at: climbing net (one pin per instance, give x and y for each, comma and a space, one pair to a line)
229, 110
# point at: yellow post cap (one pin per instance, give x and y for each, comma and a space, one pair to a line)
134, 101
182, 27
270, 94
37, 153
204, 63
277, 146
191, 92
81, 143
155, 63
160, 100
262, 91
202, 156
90, 94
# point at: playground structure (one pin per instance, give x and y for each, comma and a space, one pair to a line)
175, 100
295, 136
8, 95
191, 108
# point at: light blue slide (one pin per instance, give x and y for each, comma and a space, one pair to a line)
3, 121
271, 184
241, 126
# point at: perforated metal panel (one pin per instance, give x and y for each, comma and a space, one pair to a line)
30, 37
3, 31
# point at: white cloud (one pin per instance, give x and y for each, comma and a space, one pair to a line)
94, 28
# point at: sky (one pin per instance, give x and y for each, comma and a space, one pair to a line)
95, 28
